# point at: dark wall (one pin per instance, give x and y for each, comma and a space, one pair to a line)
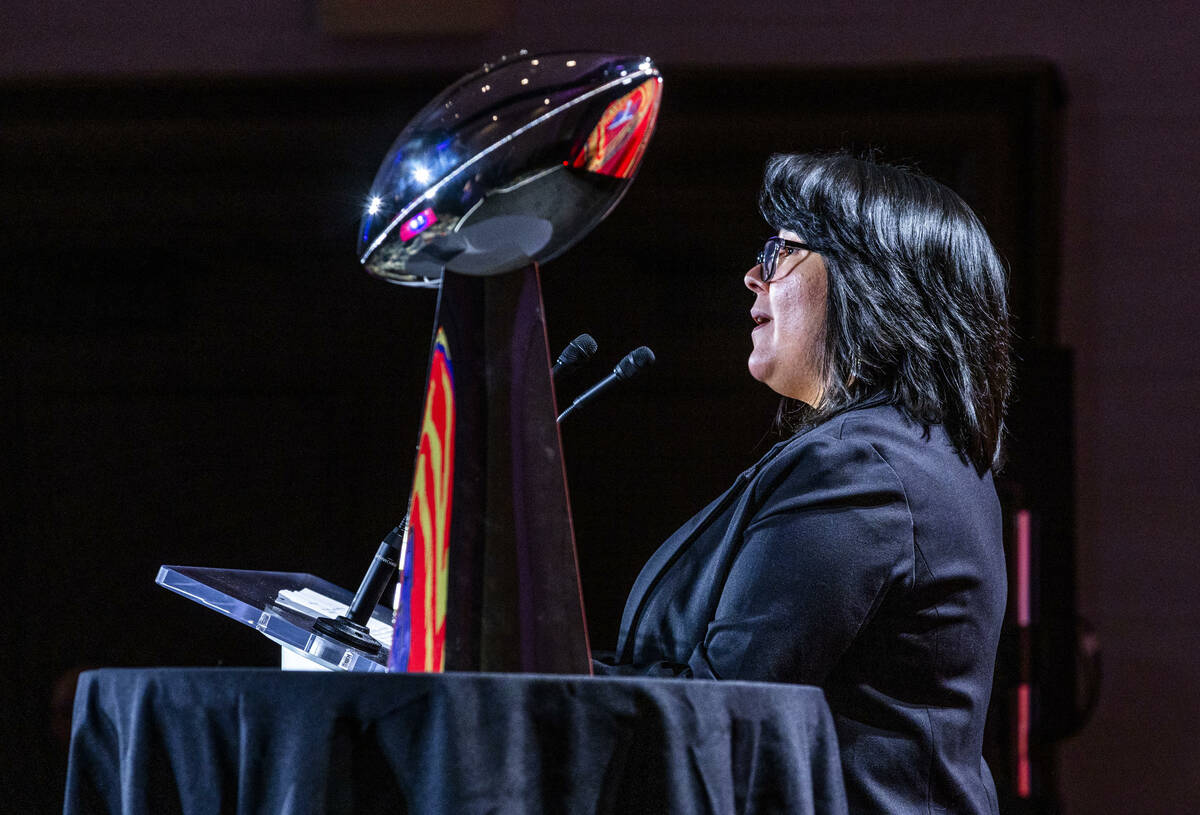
198, 372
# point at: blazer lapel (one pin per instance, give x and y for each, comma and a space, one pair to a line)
674, 546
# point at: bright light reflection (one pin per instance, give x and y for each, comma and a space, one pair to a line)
375, 205
421, 175
570, 63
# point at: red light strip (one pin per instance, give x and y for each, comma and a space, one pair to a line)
1024, 620
1024, 771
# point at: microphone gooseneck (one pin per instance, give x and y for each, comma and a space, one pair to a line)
633, 363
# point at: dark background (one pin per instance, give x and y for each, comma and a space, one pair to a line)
196, 371
197, 384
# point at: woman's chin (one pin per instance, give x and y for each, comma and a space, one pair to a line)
758, 369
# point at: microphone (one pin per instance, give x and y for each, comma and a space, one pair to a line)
351, 627
577, 352
633, 364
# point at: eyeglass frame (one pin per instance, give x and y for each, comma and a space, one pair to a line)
765, 254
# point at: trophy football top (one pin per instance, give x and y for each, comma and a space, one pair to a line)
514, 162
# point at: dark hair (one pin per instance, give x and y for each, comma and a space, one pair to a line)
917, 309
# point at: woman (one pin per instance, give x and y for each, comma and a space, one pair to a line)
863, 554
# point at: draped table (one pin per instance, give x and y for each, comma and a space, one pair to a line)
250, 740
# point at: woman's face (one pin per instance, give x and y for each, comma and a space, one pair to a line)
789, 331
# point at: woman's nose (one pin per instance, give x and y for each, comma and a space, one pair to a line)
753, 279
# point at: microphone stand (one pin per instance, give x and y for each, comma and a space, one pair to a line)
351, 627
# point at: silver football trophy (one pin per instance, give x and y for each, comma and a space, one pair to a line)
506, 169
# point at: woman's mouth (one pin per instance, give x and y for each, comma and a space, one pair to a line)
760, 320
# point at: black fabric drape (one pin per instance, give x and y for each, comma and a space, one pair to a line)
256, 740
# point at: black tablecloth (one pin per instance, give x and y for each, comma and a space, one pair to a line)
256, 740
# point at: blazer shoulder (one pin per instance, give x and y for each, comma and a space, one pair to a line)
922, 456
875, 421
873, 427
839, 455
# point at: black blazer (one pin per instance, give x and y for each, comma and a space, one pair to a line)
864, 556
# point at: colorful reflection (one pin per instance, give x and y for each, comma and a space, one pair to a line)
419, 637
417, 224
616, 143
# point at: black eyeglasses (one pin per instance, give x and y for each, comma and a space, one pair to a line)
773, 250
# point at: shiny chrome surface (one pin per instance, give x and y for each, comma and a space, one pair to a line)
517, 161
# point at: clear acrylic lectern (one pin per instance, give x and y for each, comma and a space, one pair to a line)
283, 606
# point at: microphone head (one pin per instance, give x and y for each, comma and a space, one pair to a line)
580, 350
634, 363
